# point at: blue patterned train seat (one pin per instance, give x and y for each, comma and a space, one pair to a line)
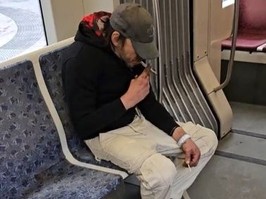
32, 164
51, 65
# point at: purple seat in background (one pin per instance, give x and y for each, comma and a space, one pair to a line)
251, 28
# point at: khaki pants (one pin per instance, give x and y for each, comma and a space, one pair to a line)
154, 156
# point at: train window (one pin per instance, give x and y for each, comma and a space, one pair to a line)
21, 27
226, 3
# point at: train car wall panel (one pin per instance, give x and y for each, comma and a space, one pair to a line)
200, 28
220, 28
57, 16
97, 5
217, 99
212, 24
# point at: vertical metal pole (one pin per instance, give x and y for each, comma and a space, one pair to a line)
159, 33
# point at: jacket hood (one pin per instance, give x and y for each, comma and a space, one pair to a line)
91, 28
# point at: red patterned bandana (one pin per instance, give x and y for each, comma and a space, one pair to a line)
96, 21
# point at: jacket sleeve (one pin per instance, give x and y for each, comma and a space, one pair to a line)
88, 120
157, 114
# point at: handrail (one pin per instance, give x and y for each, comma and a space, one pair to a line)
159, 32
232, 53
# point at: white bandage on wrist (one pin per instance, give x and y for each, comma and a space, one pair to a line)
183, 139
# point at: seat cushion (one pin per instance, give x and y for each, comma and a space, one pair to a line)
68, 181
246, 41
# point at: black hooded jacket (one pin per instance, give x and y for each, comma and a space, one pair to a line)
94, 80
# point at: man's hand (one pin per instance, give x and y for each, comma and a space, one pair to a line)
138, 89
192, 153
190, 149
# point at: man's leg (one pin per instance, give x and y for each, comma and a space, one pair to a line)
207, 142
157, 175
130, 148
139, 147
204, 138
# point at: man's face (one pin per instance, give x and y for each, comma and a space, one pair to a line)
128, 53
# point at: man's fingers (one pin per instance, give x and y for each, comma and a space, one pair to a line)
192, 153
195, 158
146, 72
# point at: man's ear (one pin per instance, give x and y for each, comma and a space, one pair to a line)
115, 38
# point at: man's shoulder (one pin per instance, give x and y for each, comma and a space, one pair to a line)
88, 48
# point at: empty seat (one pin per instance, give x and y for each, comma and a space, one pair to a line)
32, 164
245, 42
251, 28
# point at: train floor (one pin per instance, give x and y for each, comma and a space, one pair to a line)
238, 168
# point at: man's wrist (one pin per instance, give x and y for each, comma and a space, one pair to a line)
180, 136
183, 139
178, 133
125, 102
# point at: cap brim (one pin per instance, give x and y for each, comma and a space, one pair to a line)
146, 50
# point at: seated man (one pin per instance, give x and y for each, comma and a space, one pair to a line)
114, 110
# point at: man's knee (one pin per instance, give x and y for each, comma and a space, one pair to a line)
199, 133
211, 140
157, 172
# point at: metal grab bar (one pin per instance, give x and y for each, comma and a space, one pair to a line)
159, 35
232, 53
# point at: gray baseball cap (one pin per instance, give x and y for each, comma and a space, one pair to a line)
136, 23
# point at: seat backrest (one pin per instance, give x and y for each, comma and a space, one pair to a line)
251, 34
51, 65
29, 142
252, 16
